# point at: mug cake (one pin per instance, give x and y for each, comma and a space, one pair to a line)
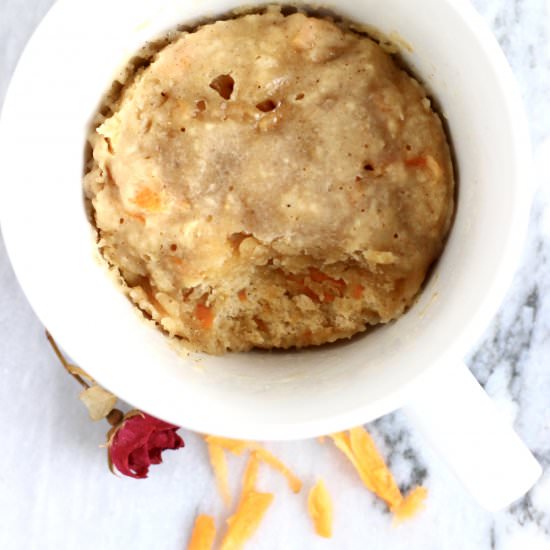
270, 181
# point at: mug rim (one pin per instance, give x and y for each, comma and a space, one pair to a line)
396, 398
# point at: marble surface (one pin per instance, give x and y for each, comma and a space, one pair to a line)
56, 491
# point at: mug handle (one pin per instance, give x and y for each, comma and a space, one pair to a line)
462, 424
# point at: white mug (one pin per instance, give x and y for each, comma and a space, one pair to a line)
415, 362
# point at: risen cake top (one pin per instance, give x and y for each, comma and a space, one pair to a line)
260, 148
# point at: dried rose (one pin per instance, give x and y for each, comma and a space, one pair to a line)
138, 441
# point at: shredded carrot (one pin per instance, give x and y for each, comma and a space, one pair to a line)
147, 199
342, 442
356, 444
294, 482
242, 295
310, 293
250, 511
260, 324
245, 521
357, 291
320, 277
250, 475
319, 505
374, 468
235, 446
205, 315
178, 262
317, 277
294, 278
219, 465
411, 504
204, 533
418, 162
139, 217
361, 451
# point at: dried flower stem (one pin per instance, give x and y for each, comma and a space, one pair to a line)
64, 361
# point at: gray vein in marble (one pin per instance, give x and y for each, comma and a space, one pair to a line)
508, 343
399, 451
522, 30
526, 512
492, 537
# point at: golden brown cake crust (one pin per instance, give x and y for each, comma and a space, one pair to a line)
271, 181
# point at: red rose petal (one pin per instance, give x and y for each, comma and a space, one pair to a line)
138, 461
139, 442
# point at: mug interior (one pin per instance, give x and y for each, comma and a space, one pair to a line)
257, 395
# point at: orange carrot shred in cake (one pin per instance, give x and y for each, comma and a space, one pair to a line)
205, 315
147, 199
